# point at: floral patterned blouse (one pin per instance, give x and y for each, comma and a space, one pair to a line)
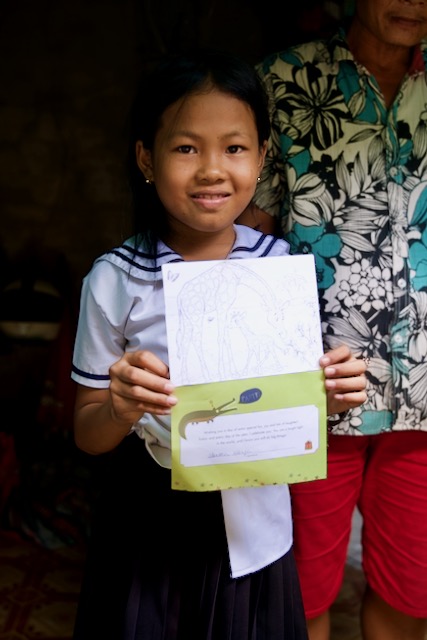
347, 178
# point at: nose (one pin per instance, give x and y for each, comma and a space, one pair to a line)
210, 168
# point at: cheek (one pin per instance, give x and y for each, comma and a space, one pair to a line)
169, 177
169, 194
174, 172
253, 175
248, 184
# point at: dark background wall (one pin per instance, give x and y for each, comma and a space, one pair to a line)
67, 73
68, 69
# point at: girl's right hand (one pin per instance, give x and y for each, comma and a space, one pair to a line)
103, 417
140, 384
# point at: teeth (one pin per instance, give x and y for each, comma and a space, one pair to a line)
209, 196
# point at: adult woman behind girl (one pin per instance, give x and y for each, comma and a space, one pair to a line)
159, 560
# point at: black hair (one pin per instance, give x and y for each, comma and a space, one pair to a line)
176, 76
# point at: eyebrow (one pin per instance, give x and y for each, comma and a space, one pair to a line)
192, 134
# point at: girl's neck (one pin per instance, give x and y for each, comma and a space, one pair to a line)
200, 246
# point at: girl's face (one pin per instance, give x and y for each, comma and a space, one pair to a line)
394, 22
205, 161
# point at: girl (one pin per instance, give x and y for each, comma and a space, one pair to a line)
159, 560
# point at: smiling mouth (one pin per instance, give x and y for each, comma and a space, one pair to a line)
209, 196
414, 22
210, 201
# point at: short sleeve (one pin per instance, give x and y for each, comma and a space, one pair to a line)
100, 338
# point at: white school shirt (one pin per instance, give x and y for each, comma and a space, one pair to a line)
122, 309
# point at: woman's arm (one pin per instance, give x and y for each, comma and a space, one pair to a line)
103, 417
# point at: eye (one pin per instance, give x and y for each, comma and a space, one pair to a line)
186, 148
234, 148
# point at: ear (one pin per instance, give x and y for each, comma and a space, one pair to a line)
143, 160
262, 154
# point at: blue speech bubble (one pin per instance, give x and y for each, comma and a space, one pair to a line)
251, 395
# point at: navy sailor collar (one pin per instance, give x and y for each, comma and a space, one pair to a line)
142, 265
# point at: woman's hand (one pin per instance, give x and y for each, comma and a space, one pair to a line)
345, 379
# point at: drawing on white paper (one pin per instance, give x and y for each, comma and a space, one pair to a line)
248, 396
231, 324
204, 415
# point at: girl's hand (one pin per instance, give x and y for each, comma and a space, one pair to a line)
345, 379
104, 417
140, 384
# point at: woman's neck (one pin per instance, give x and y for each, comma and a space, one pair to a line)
387, 63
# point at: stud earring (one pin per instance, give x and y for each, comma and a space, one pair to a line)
148, 181
258, 179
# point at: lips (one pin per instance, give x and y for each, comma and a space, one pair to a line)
209, 201
409, 21
210, 196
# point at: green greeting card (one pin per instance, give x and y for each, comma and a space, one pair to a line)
247, 433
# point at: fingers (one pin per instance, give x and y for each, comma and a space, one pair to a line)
147, 394
345, 392
345, 379
341, 363
337, 355
148, 361
342, 402
140, 384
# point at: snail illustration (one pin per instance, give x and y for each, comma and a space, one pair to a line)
206, 415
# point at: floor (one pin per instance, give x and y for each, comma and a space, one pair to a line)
39, 589
345, 611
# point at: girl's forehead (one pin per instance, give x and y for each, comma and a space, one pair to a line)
202, 94
206, 103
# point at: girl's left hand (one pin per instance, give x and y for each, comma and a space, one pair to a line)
345, 379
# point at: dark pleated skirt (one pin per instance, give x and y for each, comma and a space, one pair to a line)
158, 568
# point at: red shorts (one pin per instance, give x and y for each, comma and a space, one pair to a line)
386, 477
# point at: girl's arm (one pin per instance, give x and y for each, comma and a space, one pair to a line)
103, 417
345, 379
